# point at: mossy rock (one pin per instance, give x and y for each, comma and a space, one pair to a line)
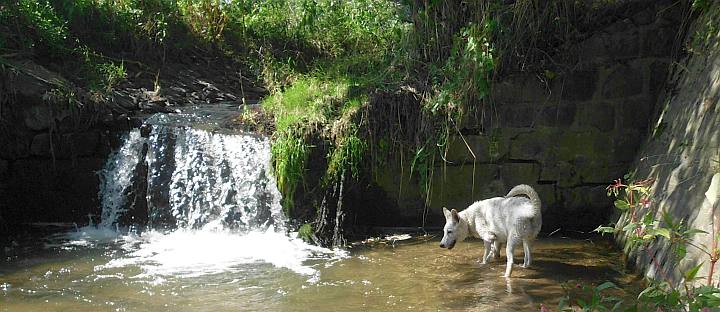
458, 152
519, 173
397, 182
453, 187
588, 144
540, 144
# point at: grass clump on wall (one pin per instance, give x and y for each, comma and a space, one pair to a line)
290, 153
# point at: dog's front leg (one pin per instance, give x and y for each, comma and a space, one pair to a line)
488, 252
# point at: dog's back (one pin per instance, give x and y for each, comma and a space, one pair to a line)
511, 216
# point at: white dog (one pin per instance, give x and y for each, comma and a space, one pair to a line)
507, 219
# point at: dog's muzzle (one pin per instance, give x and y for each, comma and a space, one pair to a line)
449, 246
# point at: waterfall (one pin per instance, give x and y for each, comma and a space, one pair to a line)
196, 179
192, 198
116, 176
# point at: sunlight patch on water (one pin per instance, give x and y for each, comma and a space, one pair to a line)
192, 253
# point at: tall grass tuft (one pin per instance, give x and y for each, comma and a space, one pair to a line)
289, 154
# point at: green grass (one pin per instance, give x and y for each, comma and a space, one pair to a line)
347, 157
308, 100
290, 153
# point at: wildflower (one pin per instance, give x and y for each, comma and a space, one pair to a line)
615, 187
645, 203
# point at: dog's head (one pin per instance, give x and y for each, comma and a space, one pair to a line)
452, 229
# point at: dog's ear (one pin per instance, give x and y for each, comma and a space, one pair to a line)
455, 216
446, 212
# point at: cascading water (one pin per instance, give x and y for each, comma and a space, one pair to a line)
196, 179
206, 199
117, 175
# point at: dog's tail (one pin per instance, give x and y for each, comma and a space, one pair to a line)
527, 190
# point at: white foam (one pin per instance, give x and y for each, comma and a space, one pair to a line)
190, 253
87, 236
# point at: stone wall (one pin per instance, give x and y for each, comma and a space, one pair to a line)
568, 136
683, 152
51, 151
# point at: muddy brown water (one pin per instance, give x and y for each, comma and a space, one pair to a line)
410, 275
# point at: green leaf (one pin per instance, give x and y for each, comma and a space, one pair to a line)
680, 251
690, 274
668, 219
563, 302
549, 74
650, 292
609, 299
662, 232
582, 303
604, 286
648, 219
691, 232
622, 204
629, 227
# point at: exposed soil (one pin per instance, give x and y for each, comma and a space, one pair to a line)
148, 89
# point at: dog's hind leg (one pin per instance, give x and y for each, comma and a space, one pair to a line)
528, 256
509, 253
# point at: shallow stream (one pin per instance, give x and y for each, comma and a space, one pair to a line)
263, 271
